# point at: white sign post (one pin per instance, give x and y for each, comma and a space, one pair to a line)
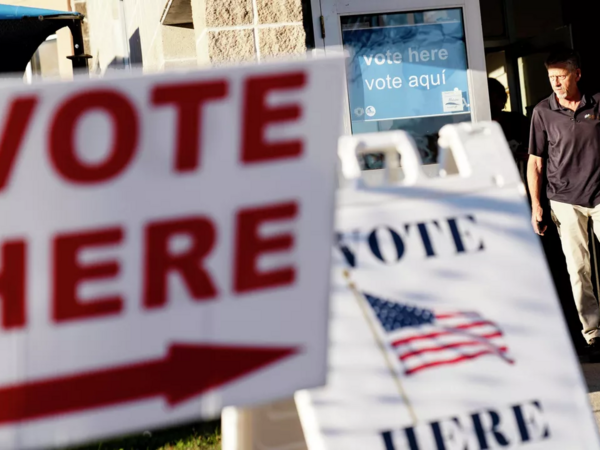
446, 332
164, 247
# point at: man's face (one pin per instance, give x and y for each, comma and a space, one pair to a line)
564, 80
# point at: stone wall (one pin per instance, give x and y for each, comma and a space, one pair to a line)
247, 30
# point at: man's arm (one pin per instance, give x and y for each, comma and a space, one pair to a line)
535, 168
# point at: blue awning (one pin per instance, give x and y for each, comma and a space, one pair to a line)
10, 12
23, 29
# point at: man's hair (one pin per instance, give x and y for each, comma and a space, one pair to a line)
566, 56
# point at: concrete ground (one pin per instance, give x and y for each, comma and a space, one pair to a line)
592, 377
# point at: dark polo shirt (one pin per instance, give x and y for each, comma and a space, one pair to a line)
569, 142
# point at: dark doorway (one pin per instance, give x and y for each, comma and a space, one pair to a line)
519, 34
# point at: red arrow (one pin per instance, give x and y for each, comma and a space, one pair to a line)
187, 371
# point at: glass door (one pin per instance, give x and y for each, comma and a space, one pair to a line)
416, 66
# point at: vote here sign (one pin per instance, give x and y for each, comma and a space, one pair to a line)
407, 71
164, 247
436, 337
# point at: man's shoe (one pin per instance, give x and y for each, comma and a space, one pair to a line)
594, 350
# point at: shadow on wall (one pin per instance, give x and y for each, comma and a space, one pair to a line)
135, 49
135, 54
119, 62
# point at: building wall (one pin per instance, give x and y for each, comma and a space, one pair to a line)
130, 31
162, 47
103, 43
64, 40
217, 32
123, 32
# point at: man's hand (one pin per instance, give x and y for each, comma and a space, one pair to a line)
537, 214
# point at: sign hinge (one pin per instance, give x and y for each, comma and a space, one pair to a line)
322, 20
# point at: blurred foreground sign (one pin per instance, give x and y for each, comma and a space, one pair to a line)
164, 247
446, 331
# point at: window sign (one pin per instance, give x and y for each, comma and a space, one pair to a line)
407, 71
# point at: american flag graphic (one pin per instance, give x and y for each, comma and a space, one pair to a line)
424, 339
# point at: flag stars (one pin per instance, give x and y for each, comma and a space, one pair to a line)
394, 316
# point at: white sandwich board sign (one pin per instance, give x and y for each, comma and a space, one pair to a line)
164, 247
446, 330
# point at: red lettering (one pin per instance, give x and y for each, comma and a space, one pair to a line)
250, 246
69, 273
189, 99
258, 115
12, 284
19, 116
160, 260
124, 143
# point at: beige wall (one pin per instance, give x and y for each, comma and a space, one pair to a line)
48, 59
64, 40
160, 46
104, 43
219, 31
132, 29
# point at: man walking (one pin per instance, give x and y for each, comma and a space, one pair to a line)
565, 143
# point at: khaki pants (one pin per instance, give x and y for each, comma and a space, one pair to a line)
572, 223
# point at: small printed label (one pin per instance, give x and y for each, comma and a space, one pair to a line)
370, 111
453, 101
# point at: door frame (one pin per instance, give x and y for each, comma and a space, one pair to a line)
328, 39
